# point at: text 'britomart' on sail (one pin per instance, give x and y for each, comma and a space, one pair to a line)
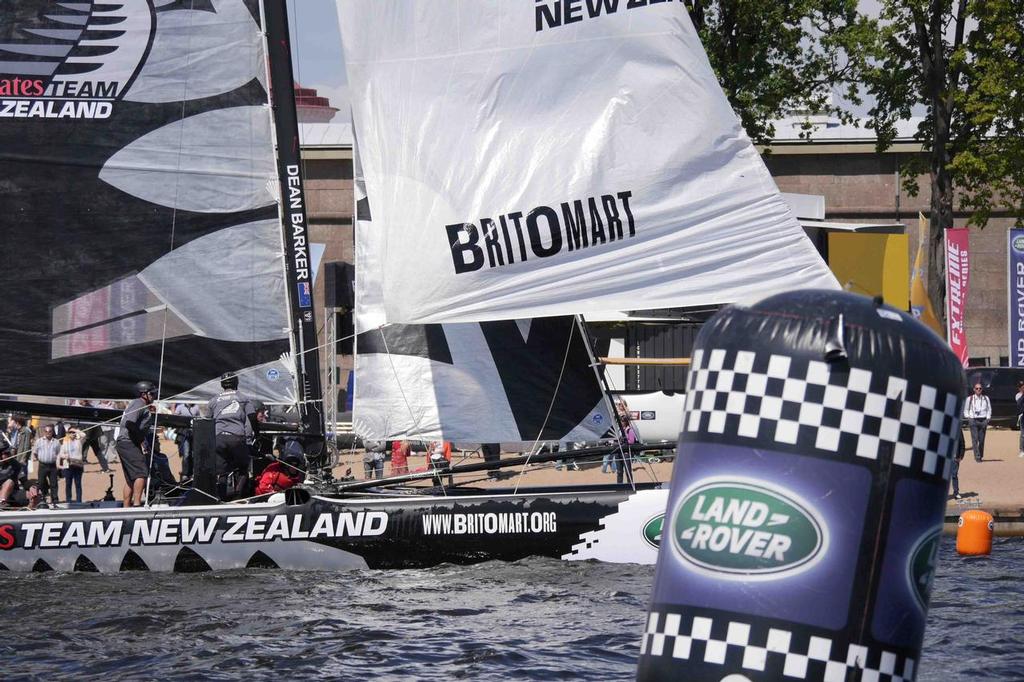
555, 158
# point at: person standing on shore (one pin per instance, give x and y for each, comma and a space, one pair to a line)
977, 411
960, 452
1019, 399
45, 451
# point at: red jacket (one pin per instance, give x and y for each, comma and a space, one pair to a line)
277, 477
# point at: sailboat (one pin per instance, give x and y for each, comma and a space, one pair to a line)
531, 161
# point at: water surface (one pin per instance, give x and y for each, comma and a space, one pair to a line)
538, 619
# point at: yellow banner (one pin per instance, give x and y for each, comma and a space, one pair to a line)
920, 306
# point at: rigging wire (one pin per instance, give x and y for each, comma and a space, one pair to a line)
154, 441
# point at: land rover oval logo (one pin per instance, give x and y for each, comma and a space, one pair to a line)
1018, 244
921, 566
744, 529
652, 531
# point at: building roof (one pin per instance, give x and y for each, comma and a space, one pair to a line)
788, 129
326, 135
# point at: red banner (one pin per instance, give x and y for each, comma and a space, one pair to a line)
957, 271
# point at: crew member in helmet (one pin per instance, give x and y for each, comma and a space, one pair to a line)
281, 474
136, 443
234, 416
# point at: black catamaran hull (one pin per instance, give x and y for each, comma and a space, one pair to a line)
300, 532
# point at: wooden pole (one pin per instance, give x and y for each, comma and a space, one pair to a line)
645, 361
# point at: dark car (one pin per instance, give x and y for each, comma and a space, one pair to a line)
1001, 388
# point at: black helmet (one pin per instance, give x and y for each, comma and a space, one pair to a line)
144, 387
229, 380
258, 406
293, 459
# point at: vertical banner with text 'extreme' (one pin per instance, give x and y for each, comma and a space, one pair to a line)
957, 272
1015, 300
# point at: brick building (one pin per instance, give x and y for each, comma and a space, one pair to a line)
862, 185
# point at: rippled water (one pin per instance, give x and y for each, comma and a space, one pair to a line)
537, 619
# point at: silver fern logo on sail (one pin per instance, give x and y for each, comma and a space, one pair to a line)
78, 57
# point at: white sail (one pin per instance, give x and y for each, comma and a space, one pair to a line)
493, 382
550, 158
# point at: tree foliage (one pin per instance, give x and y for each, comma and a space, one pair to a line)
772, 56
959, 61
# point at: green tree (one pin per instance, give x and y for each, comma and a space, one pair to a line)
959, 61
771, 56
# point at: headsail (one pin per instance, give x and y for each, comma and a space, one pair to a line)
140, 203
550, 158
510, 381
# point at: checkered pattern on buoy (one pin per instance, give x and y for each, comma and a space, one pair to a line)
742, 646
797, 401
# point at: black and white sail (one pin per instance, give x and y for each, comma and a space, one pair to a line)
549, 158
139, 199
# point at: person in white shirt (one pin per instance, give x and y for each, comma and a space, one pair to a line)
45, 451
977, 412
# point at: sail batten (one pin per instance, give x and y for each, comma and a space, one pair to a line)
533, 168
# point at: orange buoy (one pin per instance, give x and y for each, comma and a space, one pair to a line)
974, 534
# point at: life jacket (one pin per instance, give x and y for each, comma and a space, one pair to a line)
277, 477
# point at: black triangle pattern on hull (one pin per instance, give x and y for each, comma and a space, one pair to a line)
188, 561
84, 564
133, 562
261, 560
41, 566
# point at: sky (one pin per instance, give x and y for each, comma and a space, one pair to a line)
316, 51
319, 63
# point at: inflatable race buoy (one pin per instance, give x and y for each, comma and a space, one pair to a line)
974, 533
808, 494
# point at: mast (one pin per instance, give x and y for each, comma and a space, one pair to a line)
294, 224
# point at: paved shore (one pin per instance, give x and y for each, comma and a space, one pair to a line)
995, 484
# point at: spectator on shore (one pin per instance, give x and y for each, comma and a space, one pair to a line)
108, 437
961, 450
45, 451
10, 472
400, 450
71, 463
373, 459
20, 440
93, 438
609, 463
1019, 399
978, 411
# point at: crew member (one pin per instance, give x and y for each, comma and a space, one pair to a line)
136, 443
234, 416
281, 474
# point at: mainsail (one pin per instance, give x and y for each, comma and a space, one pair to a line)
140, 200
551, 158
499, 381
